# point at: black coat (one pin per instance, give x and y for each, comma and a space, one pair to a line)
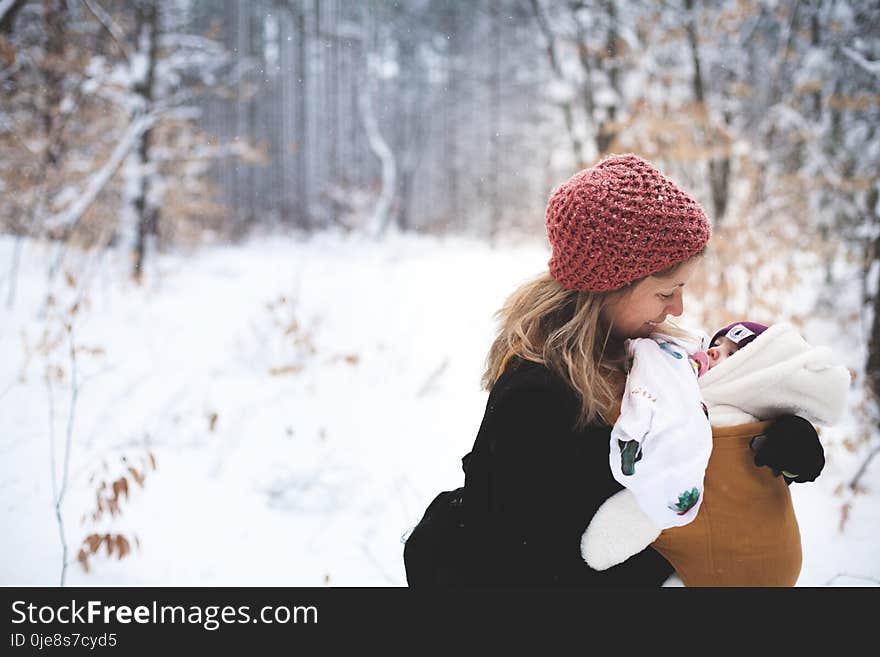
532, 485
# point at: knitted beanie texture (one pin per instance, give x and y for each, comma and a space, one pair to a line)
619, 221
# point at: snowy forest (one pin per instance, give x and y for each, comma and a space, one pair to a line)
248, 247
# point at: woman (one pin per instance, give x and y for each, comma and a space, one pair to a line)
626, 241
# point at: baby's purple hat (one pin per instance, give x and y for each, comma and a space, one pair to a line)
740, 333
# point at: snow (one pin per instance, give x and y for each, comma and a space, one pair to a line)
140, 64
560, 91
872, 67
101, 177
5, 6
270, 49
309, 477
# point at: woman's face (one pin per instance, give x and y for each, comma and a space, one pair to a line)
637, 314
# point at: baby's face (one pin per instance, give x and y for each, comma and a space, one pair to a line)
722, 348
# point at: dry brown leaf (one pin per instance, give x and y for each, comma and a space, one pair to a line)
138, 477
94, 542
92, 351
54, 373
7, 52
352, 359
122, 546
152, 460
120, 486
212, 421
844, 514
287, 369
83, 559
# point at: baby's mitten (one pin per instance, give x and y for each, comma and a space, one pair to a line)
790, 447
618, 530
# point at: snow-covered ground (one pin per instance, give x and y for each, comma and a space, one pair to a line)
303, 400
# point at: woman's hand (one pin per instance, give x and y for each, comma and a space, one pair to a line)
790, 447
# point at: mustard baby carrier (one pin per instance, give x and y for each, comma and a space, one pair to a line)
746, 532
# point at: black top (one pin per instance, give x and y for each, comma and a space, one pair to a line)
532, 485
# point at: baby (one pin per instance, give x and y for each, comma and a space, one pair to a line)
669, 489
661, 443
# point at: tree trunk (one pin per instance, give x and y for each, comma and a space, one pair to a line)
494, 119
587, 66
286, 33
407, 143
330, 101
872, 367
566, 106
240, 182
317, 154
452, 130
55, 16
719, 167
607, 130
7, 20
815, 40
382, 212
301, 203
146, 212
255, 127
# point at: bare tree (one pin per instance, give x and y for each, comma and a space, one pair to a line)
719, 167
494, 119
566, 104
143, 64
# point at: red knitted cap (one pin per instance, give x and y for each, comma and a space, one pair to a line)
619, 221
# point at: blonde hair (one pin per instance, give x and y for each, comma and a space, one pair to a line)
563, 329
